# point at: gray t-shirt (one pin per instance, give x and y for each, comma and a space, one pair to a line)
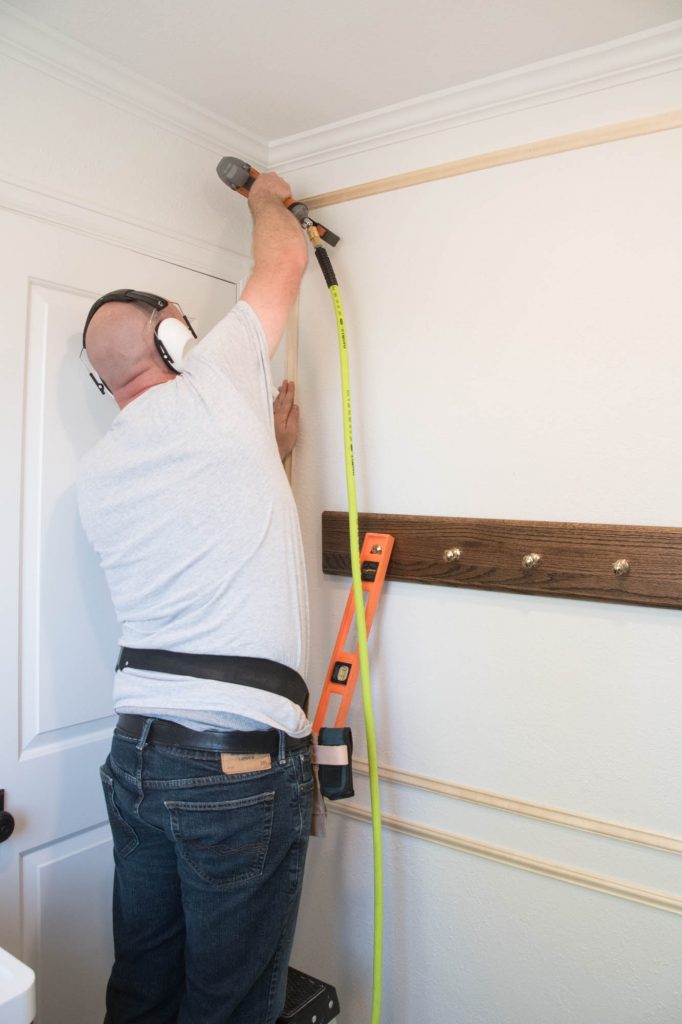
188, 507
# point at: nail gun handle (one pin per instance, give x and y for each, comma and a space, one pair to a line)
240, 176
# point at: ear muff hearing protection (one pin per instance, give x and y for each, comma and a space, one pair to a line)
173, 338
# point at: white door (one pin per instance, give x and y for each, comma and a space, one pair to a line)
58, 634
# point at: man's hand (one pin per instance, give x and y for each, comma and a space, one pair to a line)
286, 418
268, 187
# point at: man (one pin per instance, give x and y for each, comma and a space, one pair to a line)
208, 783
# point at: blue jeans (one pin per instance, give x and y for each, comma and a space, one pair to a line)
209, 868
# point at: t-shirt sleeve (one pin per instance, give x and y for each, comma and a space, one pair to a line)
234, 354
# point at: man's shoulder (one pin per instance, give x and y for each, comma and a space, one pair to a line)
238, 335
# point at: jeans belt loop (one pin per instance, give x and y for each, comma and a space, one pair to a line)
282, 753
144, 734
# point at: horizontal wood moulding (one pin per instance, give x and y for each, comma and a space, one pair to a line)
668, 901
499, 157
598, 562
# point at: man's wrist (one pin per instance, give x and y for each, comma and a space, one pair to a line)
265, 201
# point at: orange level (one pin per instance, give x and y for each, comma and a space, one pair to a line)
344, 667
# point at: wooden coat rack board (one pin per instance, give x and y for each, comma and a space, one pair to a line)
627, 564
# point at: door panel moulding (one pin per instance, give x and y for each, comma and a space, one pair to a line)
586, 561
654, 898
527, 809
499, 157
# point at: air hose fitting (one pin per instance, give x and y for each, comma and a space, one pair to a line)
321, 254
326, 267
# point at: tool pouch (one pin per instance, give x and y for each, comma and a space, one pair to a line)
333, 755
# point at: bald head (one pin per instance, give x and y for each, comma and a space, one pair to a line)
122, 350
120, 344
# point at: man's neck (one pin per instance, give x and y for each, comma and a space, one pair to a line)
138, 385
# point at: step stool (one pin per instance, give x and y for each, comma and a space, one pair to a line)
309, 1001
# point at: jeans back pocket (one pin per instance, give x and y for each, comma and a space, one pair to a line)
225, 841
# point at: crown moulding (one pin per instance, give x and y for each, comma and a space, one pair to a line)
30, 42
646, 54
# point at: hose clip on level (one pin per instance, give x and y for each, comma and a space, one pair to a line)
240, 176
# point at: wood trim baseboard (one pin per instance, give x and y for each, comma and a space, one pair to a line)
654, 898
525, 808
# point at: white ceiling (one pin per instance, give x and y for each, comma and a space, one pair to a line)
280, 67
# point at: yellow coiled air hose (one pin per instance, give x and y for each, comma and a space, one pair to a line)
330, 278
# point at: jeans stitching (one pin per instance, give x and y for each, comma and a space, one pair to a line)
115, 815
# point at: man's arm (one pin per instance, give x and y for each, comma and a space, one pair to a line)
280, 255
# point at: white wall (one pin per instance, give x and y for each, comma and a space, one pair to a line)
515, 351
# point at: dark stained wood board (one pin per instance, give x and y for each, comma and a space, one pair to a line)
577, 559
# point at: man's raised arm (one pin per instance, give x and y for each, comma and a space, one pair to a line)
280, 255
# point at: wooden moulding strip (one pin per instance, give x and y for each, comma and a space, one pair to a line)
527, 809
658, 900
576, 560
291, 369
498, 157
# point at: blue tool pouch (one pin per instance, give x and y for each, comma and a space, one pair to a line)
335, 766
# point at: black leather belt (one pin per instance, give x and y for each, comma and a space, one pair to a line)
260, 673
170, 734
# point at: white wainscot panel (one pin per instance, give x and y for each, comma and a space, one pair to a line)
66, 890
69, 631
